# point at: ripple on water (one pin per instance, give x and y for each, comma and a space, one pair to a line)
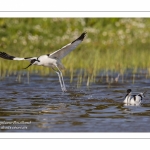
97, 108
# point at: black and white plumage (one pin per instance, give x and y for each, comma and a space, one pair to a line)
133, 99
52, 60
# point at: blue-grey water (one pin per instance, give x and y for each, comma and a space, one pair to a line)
39, 105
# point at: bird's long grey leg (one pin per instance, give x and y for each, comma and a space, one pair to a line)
64, 87
60, 80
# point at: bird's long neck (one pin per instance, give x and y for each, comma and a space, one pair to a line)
128, 96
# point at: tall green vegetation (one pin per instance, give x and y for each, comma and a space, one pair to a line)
115, 44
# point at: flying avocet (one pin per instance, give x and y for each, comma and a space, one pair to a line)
133, 99
52, 60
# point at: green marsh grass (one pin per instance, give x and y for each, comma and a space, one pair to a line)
111, 44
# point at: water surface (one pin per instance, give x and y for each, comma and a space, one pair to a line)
41, 106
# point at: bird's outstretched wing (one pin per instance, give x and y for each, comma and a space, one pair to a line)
67, 48
9, 57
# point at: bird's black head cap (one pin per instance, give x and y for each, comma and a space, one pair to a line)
128, 91
31, 62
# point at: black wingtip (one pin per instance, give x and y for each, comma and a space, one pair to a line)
81, 37
6, 56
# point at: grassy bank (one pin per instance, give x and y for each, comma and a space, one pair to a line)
115, 44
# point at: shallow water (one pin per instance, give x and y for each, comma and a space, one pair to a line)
41, 106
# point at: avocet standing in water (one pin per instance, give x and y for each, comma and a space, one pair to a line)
133, 99
52, 60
